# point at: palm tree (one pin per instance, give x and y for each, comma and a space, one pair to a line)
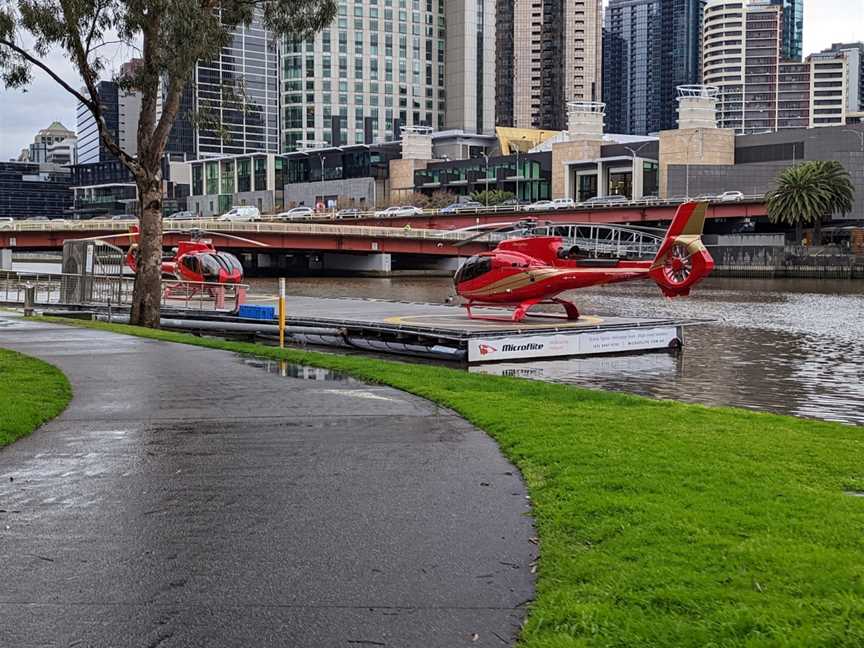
807, 193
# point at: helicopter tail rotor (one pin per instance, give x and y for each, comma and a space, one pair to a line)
683, 260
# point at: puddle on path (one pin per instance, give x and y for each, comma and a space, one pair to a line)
302, 372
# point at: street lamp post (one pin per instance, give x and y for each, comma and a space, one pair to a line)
633, 167
518, 202
486, 157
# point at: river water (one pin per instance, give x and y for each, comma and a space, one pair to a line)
793, 346
780, 345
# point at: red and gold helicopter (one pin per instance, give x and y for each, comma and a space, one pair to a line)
194, 261
524, 272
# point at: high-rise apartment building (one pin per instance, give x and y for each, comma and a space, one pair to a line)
761, 89
723, 58
650, 48
377, 68
469, 61
829, 88
549, 53
239, 91
854, 71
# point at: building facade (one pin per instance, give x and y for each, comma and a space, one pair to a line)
469, 61
854, 73
761, 88
90, 146
549, 53
650, 48
378, 67
239, 91
31, 189
829, 89
792, 39
53, 145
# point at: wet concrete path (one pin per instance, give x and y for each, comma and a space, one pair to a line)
188, 498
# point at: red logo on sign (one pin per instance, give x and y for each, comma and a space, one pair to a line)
485, 349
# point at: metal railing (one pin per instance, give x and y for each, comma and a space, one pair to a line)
58, 289
598, 240
214, 223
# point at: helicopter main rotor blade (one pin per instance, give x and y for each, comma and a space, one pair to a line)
107, 236
500, 228
231, 236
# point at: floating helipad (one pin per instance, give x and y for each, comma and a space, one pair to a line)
440, 330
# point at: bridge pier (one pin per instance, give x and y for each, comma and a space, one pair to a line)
5, 259
377, 264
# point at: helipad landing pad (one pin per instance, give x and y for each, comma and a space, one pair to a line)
445, 330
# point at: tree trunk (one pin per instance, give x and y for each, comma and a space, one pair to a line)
817, 231
799, 232
147, 295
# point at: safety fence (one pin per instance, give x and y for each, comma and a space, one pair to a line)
74, 290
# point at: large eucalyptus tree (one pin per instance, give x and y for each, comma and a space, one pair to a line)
172, 35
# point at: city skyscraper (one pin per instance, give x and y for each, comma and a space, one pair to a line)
239, 90
90, 146
470, 65
549, 53
376, 68
650, 48
791, 46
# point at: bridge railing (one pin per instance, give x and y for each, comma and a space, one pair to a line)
59, 289
213, 223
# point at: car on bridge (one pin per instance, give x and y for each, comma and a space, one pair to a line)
730, 196
242, 214
7, 222
563, 203
540, 205
181, 215
297, 213
399, 210
615, 199
467, 206
350, 212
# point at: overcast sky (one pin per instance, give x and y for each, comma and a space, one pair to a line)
22, 114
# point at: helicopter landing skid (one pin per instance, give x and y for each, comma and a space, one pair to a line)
570, 310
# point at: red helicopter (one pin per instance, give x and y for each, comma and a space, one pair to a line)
524, 272
194, 261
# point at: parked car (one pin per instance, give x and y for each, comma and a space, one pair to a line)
181, 215
351, 212
615, 199
730, 196
297, 213
124, 217
241, 214
540, 205
455, 208
6, 222
563, 203
400, 210
37, 218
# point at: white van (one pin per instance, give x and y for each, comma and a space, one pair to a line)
241, 214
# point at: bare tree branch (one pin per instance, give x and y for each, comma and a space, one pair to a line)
35, 61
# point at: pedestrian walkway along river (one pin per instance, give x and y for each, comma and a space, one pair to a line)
186, 497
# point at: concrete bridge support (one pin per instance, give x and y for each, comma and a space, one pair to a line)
369, 264
5, 259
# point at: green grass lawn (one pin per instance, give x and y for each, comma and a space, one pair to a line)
31, 392
660, 523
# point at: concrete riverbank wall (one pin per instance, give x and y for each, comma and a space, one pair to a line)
767, 255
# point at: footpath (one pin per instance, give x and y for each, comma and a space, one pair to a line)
190, 497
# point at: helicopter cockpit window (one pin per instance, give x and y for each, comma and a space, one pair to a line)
191, 262
473, 268
209, 265
230, 261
